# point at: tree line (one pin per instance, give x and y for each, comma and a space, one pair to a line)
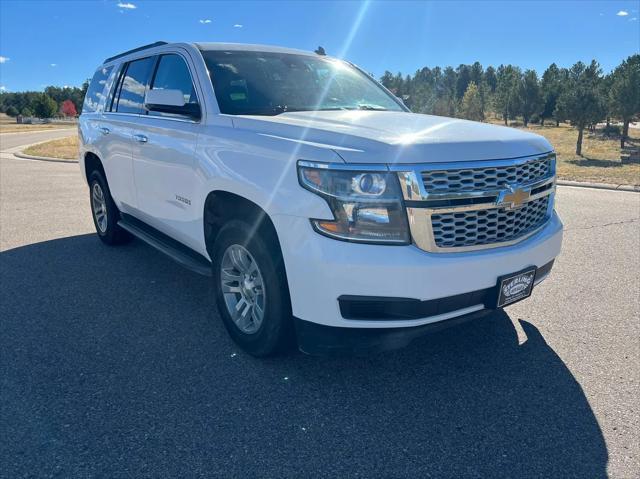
581, 95
52, 102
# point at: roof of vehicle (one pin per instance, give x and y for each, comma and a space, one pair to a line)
249, 47
210, 46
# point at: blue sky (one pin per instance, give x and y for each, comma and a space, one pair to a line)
61, 42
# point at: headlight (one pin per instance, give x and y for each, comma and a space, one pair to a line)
366, 205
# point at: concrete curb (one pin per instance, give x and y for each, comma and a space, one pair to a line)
600, 186
43, 158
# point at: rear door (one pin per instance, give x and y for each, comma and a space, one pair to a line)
164, 146
124, 107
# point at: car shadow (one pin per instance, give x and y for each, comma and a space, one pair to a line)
113, 363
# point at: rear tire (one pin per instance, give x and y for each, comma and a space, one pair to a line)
251, 290
104, 211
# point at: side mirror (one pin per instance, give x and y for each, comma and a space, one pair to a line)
403, 98
171, 101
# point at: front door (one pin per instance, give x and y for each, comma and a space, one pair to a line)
164, 148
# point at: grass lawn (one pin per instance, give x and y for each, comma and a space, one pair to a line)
600, 161
66, 148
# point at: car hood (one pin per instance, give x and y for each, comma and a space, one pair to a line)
397, 137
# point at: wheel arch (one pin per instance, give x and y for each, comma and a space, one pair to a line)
93, 163
221, 206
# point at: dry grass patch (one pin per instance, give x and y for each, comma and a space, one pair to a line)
65, 148
600, 160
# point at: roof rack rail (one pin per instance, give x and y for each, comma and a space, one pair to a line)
143, 47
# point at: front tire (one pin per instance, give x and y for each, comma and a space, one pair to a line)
251, 289
104, 211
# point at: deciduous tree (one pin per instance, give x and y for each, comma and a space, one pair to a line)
68, 108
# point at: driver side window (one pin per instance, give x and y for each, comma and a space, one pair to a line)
172, 73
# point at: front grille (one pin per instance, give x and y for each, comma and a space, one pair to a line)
488, 226
487, 178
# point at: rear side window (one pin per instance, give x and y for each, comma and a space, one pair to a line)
95, 92
133, 86
173, 74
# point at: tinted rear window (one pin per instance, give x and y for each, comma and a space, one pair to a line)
134, 85
95, 92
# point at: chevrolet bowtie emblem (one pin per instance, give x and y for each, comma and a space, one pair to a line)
513, 197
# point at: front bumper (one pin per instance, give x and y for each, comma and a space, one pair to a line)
320, 340
321, 270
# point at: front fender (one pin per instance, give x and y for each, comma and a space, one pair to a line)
261, 169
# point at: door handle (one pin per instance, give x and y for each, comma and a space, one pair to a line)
141, 138
104, 130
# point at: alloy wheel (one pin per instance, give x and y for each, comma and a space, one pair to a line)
242, 288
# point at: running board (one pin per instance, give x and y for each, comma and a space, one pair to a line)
178, 252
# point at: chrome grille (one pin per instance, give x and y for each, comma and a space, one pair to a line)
488, 178
487, 226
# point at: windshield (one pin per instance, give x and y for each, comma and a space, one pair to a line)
264, 83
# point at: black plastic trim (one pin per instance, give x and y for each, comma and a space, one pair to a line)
177, 251
321, 340
380, 308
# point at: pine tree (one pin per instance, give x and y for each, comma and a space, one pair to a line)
44, 106
581, 102
530, 98
551, 87
471, 108
625, 93
507, 99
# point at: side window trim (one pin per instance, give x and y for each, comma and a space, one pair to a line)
117, 87
147, 87
117, 90
152, 80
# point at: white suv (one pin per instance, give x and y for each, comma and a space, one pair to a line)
326, 212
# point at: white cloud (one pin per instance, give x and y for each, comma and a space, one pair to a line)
3, 88
4, 59
237, 25
128, 6
622, 13
205, 21
634, 19
54, 64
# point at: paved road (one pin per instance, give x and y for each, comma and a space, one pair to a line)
113, 364
10, 141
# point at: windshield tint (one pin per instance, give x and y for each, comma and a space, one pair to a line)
261, 83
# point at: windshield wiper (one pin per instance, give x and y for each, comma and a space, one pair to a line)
269, 111
364, 106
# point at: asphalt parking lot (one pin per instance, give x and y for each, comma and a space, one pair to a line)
114, 364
